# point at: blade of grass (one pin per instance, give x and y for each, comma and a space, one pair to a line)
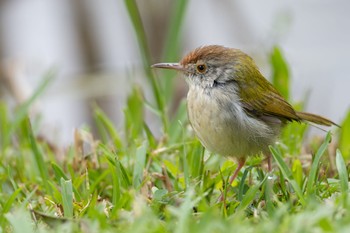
196, 160
280, 77
242, 183
175, 130
140, 162
120, 170
38, 156
172, 43
297, 170
287, 173
108, 125
344, 137
67, 197
343, 177
4, 126
136, 21
343, 173
311, 183
152, 141
269, 195
173, 36
250, 195
20, 221
116, 196
22, 111
135, 18
98, 179
134, 114
283, 186
8, 204
59, 174
185, 162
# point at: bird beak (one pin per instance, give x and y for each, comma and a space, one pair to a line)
171, 66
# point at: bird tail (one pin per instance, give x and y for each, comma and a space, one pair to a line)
315, 119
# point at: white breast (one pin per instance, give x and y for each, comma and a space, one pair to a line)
223, 126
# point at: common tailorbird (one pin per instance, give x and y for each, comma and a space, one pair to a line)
233, 109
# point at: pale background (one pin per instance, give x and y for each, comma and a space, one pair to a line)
93, 47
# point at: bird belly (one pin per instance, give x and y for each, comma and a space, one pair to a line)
223, 126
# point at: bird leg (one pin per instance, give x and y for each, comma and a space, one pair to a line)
269, 165
241, 162
269, 162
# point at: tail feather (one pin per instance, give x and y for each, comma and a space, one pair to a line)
315, 119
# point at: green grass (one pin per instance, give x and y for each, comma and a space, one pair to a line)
132, 182
128, 180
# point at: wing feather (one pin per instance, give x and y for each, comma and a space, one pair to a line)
260, 98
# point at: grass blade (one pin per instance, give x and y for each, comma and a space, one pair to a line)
134, 114
67, 197
172, 43
20, 221
103, 121
22, 111
343, 173
139, 166
115, 185
287, 173
344, 137
241, 187
280, 78
269, 194
7, 206
38, 156
136, 21
297, 170
174, 35
250, 195
59, 174
112, 158
310, 187
4, 126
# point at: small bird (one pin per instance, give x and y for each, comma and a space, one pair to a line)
232, 108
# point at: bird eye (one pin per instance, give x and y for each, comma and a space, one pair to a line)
201, 68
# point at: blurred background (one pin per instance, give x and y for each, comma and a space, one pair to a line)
98, 51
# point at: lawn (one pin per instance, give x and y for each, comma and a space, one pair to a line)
127, 180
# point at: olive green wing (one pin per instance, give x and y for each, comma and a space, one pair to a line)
260, 98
